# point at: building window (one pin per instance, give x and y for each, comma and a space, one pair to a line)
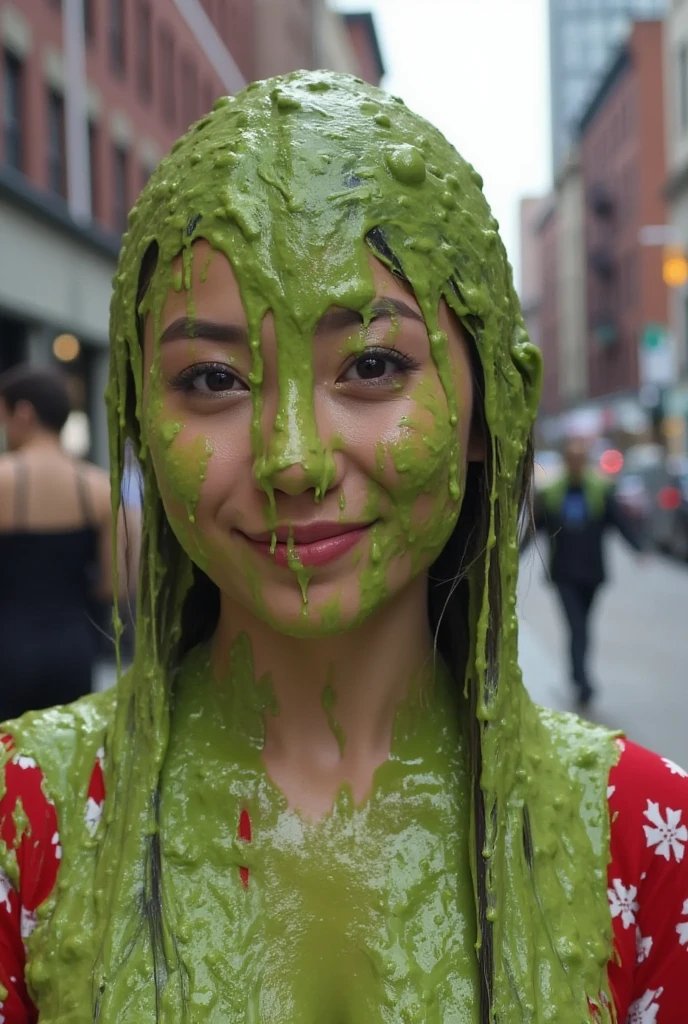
167, 89
116, 36
189, 79
683, 87
120, 191
13, 89
57, 172
94, 169
144, 42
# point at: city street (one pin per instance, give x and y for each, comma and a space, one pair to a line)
640, 648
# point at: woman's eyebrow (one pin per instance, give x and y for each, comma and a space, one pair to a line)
186, 328
380, 309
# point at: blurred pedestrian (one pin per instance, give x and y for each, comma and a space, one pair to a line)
575, 512
55, 548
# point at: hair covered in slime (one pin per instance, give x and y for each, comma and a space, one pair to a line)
288, 180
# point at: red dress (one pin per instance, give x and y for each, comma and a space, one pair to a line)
647, 879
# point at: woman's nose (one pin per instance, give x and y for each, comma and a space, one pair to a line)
295, 459
312, 473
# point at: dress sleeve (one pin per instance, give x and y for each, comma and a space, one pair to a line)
30, 841
648, 887
30, 848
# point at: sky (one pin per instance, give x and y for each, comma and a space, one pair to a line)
478, 69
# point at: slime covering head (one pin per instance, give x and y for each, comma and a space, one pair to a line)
297, 181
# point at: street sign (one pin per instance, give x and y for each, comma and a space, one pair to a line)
656, 357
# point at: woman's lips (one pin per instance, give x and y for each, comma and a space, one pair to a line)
313, 545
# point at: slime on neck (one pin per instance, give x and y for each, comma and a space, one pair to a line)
266, 181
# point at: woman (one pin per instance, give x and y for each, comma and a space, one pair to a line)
55, 548
322, 793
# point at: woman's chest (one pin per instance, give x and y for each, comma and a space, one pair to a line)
367, 915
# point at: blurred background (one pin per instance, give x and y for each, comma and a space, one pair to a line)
576, 114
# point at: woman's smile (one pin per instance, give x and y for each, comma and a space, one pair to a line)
311, 545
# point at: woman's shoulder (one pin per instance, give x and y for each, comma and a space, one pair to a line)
51, 777
57, 737
51, 790
648, 883
47, 759
648, 803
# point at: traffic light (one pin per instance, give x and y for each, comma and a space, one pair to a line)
674, 267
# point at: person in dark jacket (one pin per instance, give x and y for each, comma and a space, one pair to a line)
576, 511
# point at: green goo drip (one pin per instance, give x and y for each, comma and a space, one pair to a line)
288, 180
329, 702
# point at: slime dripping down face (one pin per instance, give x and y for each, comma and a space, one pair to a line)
313, 480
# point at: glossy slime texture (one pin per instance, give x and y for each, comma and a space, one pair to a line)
287, 180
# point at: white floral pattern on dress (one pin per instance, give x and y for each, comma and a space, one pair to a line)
25, 762
674, 768
643, 947
645, 1009
682, 927
610, 792
94, 812
622, 902
27, 922
56, 843
6, 888
666, 835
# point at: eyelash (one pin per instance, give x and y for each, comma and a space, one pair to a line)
184, 381
404, 363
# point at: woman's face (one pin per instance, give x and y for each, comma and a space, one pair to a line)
309, 511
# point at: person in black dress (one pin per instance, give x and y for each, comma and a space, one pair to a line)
55, 563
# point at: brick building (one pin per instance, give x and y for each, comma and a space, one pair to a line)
530, 283
676, 90
92, 94
364, 42
548, 311
623, 168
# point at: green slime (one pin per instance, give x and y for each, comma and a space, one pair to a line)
372, 914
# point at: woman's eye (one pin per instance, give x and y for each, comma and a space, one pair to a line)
215, 381
208, 380
378, 365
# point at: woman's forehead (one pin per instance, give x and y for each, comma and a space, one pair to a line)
212, 283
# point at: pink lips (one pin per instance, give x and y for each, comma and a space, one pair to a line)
314, 544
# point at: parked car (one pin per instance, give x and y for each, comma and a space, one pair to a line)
679, 542
670, 529
664, 482
634, 498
